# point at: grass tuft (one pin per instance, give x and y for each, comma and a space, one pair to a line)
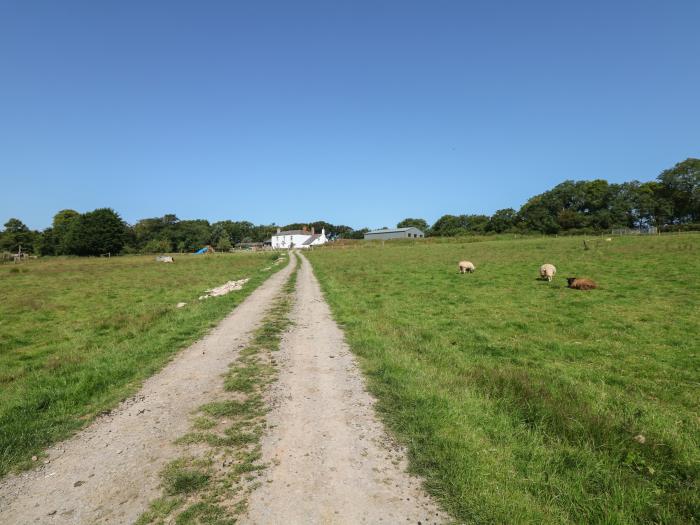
181, 478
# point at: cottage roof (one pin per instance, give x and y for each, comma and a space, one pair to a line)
311, 239
292, 232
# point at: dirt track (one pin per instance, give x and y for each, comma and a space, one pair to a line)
109, 472
331, 460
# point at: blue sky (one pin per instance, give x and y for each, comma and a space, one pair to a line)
359, 113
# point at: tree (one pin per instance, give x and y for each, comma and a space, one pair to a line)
237, 230
503, 220
46, 242
162, 229
655, 208
421, 224
157, 246
681, 187
97, 232
194, 234
16, 234
356, 234
452, 225
449, 226
61, 224
218, 234
223, 244
536, 215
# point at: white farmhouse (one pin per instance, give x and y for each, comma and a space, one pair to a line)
286, 240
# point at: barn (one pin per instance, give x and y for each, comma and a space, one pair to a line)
394, 233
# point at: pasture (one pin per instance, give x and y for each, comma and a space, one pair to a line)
79, 335
522, 401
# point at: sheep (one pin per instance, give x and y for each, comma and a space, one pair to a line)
547, 272
466, 267
578, 283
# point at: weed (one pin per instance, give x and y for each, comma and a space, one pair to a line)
203, 513
179, 477
203, 423
159, 509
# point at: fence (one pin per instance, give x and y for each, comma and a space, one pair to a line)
648, 230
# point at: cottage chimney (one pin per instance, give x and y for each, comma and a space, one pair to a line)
313, 230
303, 228
278, 231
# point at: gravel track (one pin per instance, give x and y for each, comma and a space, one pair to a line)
331, 461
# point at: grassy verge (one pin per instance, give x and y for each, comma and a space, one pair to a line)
79, 335
220, 463
522, 401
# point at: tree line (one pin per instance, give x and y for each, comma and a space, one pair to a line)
670, 201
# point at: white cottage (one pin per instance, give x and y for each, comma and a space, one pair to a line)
286, 240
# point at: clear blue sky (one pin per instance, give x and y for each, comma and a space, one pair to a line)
359, 113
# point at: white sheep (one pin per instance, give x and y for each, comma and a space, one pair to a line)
466, 267
548, 271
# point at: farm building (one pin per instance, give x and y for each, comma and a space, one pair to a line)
394, 233
297, 239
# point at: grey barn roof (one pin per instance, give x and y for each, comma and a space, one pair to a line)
391, 230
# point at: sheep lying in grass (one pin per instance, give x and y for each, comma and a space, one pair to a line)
466, 267
547, 271
581, 283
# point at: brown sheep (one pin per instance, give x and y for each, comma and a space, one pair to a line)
578, 283
466, 267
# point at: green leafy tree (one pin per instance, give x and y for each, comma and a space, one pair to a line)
193, 233
449, 226
46, 242
654, 205
421, 224
537, 215
157, 246
503, 220
97, 232
162, 229
17, 234
62, 222
223, 244
356, 234
681, 187
453, 225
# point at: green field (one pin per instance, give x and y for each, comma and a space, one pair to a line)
78, 335
522, 401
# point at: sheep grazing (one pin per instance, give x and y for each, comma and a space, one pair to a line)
581, 283
466, 267
547, 272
